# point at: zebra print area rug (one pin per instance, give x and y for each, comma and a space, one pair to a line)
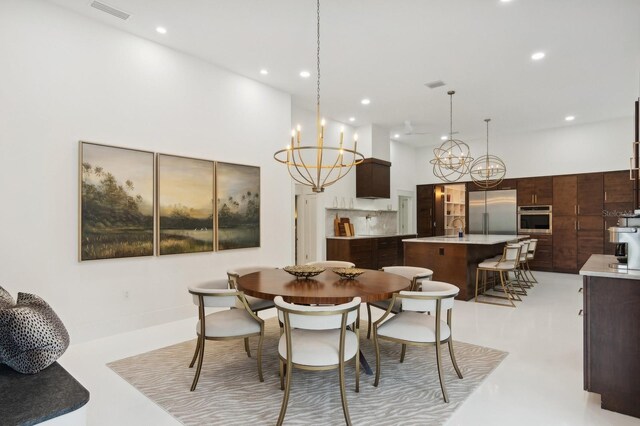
229, 392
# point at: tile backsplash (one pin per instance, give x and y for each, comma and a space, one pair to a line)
365, 222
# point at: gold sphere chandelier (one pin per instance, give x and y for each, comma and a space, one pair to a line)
488, 170
318, 166
452, 158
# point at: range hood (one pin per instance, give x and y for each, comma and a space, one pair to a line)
373, 179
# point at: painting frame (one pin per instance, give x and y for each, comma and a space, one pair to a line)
109, 232
185, 239
238, 206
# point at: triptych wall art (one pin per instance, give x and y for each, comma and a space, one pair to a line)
138, 203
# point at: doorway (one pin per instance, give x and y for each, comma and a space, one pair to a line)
404, 214
305, 226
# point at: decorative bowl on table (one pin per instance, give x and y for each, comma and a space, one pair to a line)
304, 271
348, 273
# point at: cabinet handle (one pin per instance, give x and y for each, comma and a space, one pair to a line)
578, 225
605, 195
536, 198
430, 212
575, 209
532, 198
580, 313
578, 208
575, 225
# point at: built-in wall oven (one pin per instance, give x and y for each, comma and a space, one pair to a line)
534, 220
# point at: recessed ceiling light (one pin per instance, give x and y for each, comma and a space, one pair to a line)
305, 74
505, 1
537, 56
569, 118
263, 71
444, 137
365, 101
352, 119
396, 136
161, 30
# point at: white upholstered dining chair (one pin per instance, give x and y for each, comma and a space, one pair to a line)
415, 274
317, 338
238, 321
332, 264
257, 304
414, 326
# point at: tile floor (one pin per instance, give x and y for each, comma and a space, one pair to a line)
539, 383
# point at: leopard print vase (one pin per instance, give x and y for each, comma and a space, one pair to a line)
32, 337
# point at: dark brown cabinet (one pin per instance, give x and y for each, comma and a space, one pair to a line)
577, 220
424, 210
618, 200
543, 260
611, 336
373, 179
535, 191
368, 253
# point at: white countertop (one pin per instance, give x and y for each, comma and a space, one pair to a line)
360, 237
468, 239
598, 266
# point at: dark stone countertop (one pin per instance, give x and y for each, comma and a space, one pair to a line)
27, 399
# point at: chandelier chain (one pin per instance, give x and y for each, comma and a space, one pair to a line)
451, 115
318, 54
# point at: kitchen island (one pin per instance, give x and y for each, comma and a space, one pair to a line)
368, 251
611, 334
455, 259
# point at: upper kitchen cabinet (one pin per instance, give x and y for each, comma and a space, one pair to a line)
535, 191
565, 195
505, 184
618, 199
590, 194
424, 217
578, 194
373, 177
618, 188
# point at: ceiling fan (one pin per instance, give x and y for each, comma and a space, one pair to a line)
409, 130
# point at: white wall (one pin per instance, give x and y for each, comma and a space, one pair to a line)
65, 78
574, 148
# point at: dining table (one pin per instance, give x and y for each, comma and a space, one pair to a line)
327, 288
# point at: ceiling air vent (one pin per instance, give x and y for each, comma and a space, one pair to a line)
110, 10
435, 84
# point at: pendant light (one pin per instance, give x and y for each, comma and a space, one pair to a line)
452, 158
318, 166
488, 170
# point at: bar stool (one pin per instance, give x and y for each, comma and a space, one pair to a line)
507, 263
531, 255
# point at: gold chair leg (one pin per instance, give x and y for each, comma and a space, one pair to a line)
453, 357
199, 367
440, 375
246, 347
403, 352
287, 390
282, 375
510, 296
195, 354
343, 393
370, 321
475, 299
377, 346
260, 376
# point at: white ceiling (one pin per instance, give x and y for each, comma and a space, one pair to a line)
386, 50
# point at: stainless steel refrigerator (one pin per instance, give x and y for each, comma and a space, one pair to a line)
493, 212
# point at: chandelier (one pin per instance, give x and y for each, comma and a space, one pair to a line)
488, 170
452, 159
318, 166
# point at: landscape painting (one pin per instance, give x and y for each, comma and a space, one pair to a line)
185, 205
116, 202
238, 201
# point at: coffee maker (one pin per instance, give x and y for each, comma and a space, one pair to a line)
627, 238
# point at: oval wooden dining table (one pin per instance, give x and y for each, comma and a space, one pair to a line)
326, 288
